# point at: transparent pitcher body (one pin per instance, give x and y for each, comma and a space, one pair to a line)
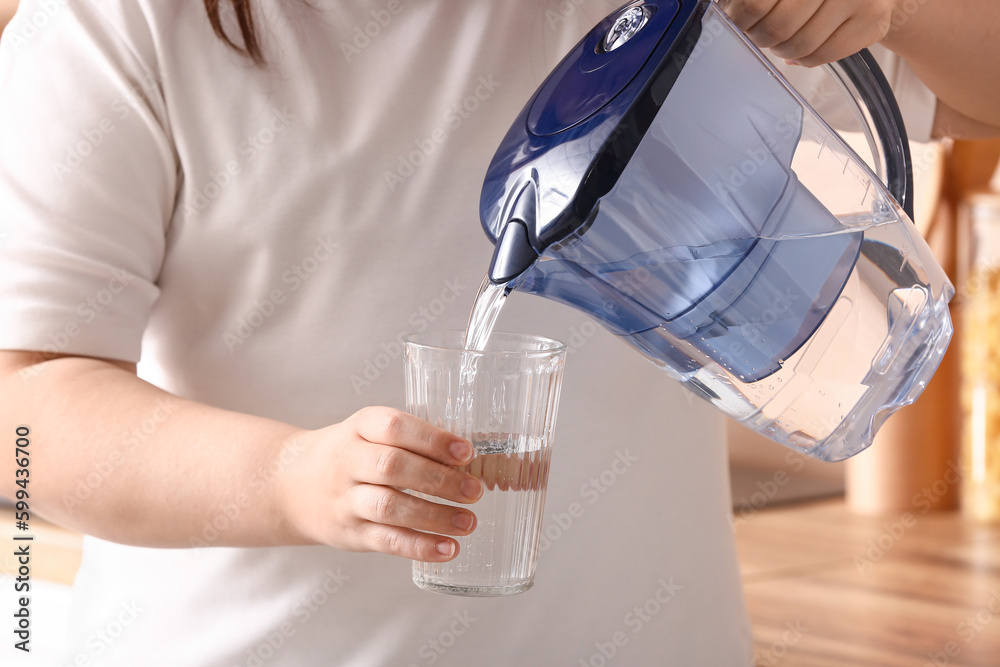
750, 253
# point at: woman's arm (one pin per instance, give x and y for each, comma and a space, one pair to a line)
116, 457
952, 45
7, 10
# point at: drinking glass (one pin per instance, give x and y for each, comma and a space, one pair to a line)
504, 400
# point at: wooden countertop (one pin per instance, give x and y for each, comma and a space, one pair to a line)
824, 587
828, 588
55, 552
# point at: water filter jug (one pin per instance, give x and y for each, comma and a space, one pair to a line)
666, 180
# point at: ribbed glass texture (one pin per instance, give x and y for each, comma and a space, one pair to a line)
503, 399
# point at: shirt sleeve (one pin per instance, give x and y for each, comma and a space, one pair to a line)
88, 176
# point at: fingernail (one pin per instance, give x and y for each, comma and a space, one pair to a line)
462, 520
471, 488
794, 63
445, 548
461, 450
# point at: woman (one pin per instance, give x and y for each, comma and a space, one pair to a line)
263, 229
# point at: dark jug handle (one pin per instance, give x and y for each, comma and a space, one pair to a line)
867, 79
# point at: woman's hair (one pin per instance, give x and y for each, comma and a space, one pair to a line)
250, 46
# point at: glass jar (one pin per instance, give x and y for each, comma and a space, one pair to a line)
980, 351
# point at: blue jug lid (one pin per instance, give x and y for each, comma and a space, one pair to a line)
576, 134
600, 66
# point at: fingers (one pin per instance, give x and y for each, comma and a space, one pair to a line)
383, 505
375, 456
746, 13
408, 453
827, 20
782, 23
811, 32
396, 467
393, 427
847, 39
407, 543
399, 524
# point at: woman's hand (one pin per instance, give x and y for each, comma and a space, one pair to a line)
812, 32
344, 485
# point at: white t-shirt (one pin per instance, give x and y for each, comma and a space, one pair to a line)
261, 238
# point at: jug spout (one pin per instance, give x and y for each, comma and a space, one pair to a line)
514, 253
